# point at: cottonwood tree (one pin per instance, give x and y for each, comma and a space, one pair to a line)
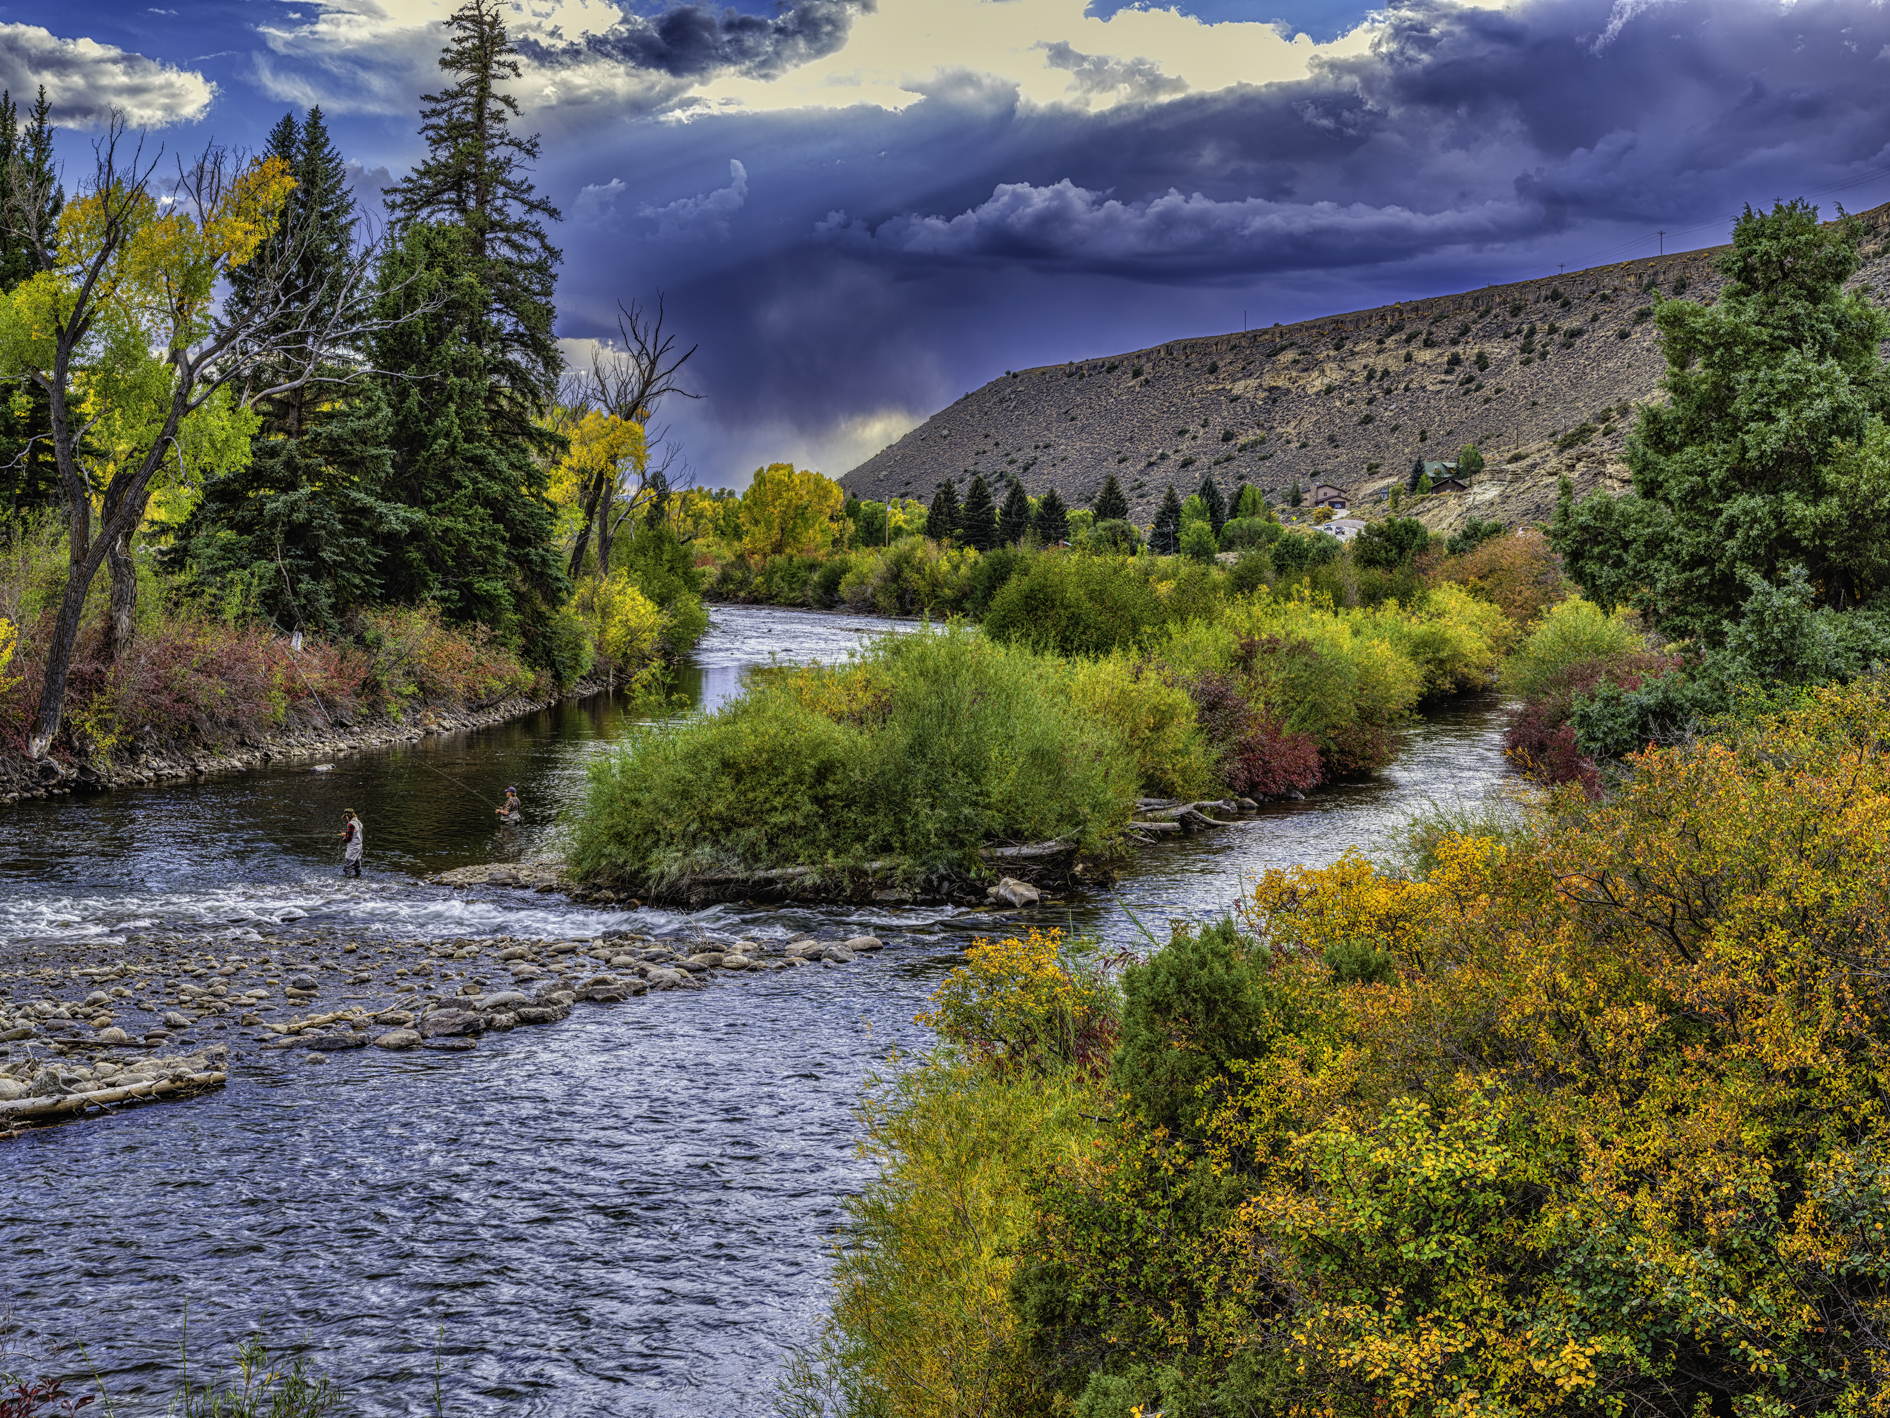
610, 473
122, 330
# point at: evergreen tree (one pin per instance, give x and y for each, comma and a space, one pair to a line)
977, 519
299, 534
1053, 519
1111, 505
1235, 499
1294, 496
1014, 520
1771, 451
479, 539
474, 177
1210, 494
1164, 537
941, 520
1417, 471
29, 476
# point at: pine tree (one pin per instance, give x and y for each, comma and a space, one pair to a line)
1014, 520
299, 533
977, 519
479, 539
941, 521
1053, 519
1164, 538
474, 177
29, 476
1234, 500
1210, 494
1417, 471
1111, 505
1294, 496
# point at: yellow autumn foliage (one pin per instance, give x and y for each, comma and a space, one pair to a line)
789, 512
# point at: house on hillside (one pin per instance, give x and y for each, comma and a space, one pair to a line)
1326, 495
1444, 478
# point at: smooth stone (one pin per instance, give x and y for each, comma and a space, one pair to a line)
446, 1023
10, 1088
398, 1039
114, 1035
541, 1013
302, 982
837, 955
505, 999
314, 1058
862, 943
1013, 892
459, 1042
178, 1021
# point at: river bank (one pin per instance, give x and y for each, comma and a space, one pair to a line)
138, 765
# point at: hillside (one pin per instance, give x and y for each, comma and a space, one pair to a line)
1350, 399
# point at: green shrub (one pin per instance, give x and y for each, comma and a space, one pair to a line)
1241, 533
1075, 605
1296, 553
1198, 541
1570, 631
924, 750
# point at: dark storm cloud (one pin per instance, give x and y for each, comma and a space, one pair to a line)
893, 260
693, 41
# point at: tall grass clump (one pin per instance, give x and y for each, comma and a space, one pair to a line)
919, 752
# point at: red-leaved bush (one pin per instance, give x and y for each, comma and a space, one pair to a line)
1257, 758
1540, 737
193, 679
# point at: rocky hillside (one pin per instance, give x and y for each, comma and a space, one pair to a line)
1543, 375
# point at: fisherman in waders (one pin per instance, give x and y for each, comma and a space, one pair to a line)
510, 814
350, 836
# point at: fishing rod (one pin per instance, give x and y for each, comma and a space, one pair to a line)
455, 782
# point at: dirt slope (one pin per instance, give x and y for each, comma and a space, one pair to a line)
1350, 399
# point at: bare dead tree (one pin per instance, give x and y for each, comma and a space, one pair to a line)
629, 381
262, 345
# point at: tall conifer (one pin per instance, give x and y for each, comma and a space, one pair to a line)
1111, 505
941, 520
1014, 520
1210, 494
977, 519
475, 177
299, 533
1053, 519
29, 477
1164, 537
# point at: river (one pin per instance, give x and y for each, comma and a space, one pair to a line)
628, 1213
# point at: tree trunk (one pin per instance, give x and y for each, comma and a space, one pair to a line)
124, 600
584, 532
52, 694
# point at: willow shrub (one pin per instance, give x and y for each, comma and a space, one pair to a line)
1072, 604
1607, 1133
925, 749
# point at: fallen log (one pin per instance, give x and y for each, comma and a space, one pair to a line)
1027, 851
1155, 827
79, 1102
315, 1021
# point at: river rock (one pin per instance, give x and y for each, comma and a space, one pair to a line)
178, 1021
499, 1023
836, 954
525, 970
11, 1088
333, 1043
861, 944
449, 1023
540, 1013
661, 979
315, 1058
505, 999
458, 1041
305, 983
736, 962
1013, 892
515, 952
398, 1039
113, 1035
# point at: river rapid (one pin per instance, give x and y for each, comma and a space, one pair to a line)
627, 1213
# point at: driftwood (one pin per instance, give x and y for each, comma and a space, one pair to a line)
1027, 852
316, 1021
79, 1102
1156, 827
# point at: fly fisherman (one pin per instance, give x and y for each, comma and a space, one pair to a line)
510, 814
350, 836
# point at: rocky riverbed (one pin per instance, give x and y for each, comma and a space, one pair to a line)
177, 1013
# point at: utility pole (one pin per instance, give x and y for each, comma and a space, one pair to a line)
1663, 243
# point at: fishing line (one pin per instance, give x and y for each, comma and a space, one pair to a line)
455, 782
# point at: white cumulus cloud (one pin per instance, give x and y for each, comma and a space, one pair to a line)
86, 80
706, 214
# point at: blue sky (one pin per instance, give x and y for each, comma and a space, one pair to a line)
862, 208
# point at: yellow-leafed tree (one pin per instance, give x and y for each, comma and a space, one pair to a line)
789, 512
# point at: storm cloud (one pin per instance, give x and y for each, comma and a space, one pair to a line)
692, 41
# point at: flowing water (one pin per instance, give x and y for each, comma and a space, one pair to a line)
630, 1212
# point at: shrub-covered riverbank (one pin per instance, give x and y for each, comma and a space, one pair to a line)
930, 748
1584, 1113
